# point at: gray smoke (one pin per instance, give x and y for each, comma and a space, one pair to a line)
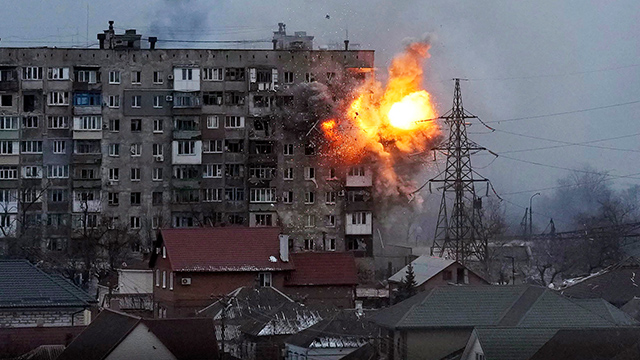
181, 20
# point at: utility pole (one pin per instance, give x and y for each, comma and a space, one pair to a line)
223, 316
460, 236
531, 213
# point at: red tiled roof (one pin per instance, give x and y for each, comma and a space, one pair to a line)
224, 249
323, 268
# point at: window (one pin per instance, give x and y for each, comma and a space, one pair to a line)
157, 126
31, 196
309, 149
264, 279
262, 172
263, 219
187, 74
234, 146
309, 77
212, 171
7, 100
359, 218
330, 197
31, 147
262, 147
287, 197
357, 171
157, 277
114, 77
114, 149
87, 147
288, 174
56, 122
58, 73
234, 98
136, 77
186, 196
91, 123
57, 195
157, 77
156, 198
288, 150
262, 195
234, 194
135, 174
213, 98
156, 222
157, 174
234, 170
134, 222
234, 122
212, 195
186, 100
170, 280
480, 356
157, 149
136, 149
58, 171
136, 198
56, 98
185, 172
186, 124
213, 122
136, 125
213, 74
288, 77
186, 147
330, 244
29, 122
32, 73
136, 101
87, 76
114, 174
87, 174
309, 244
114, 101
9, 122
309, 197
212, 146
114, 125
330, 221
157, 101
8, 147
309, 173
310, 221
113, 198
32, 172
234, 74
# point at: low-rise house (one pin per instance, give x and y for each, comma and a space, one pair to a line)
325, 279
439, 322
601, 344
30, 297
332, 338
506, 343
431, 271
193, 266
18, 341
133, 290
115, 335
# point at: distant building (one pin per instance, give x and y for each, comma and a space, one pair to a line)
602, 344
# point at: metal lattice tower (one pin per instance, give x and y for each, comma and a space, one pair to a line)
459, 236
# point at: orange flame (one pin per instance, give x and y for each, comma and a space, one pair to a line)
385, 121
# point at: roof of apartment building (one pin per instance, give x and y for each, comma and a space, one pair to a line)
323, 268
222, 249
515, 306
603, 343
425, 268
24, 285
617, 284
344, 329
188, 338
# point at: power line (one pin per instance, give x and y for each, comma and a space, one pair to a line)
564, 112
567, 143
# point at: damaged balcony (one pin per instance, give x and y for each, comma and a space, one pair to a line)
262, 128
9, 78
358, 200
262, 151
87, 78
186, 128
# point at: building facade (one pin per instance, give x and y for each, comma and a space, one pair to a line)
132, 139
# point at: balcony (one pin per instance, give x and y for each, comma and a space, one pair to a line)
10, 85
187, 134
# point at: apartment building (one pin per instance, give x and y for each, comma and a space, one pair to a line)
143, 138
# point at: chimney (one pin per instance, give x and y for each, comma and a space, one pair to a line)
346, 45
110, 25
284, 247
101, 38
275, 43
152, 42
114, 304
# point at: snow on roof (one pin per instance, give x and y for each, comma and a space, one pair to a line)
425, 267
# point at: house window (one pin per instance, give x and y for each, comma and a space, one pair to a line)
157, 77
32, 172
186, 147
135, 174
288, 77
287, 197
187, 74
234, 122
234, 146
11, 172
234, 74
157, 126
309, 149
357, 171
264, 219
212, 195
58, 195
309, 173
157, 149
114, 149
136, 101
263, 195
58, 74
170, 280
55, 98
114, 77
309, 244
114, 101
136, 149
234, 170
57, 122
157, 174
213, 98
113, 198
164, 279
234, 194
58, 171
480, 356
212, 146
155, 222
114, 174
114, 125
330, 244
330, 221
87, 76
288, 174
310, 221
264, 279
134, 222
136, 125
136, 198
7, 100
157, 277
156, 198
136, 77
309, 197
30, 122
157, 101
59, 146
32, 73
359, 218
288, 149
212, 171
31, 147
262, 172
330, 197
213, 122
213, 74
89, 123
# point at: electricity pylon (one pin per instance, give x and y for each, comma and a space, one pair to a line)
460, 236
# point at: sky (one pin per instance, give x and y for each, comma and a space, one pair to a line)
578, 59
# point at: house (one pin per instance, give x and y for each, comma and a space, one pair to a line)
18, 341
116, 335
505, 343
323, 279
332, 338
193, 266
599, 343
30, 297
439, 322
267, 313
133, 292
431, 271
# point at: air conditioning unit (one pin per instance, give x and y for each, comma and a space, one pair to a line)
170, 76
168, 98
341, 193
185, 281
159, 158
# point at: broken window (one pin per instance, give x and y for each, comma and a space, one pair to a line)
234, 74
29, 103
6, 100
213, 98
234, 146
234, 98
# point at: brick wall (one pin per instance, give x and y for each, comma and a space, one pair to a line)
41, 317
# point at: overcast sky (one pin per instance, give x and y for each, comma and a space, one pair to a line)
523, 59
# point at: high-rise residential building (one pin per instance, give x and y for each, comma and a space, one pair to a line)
131, 139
